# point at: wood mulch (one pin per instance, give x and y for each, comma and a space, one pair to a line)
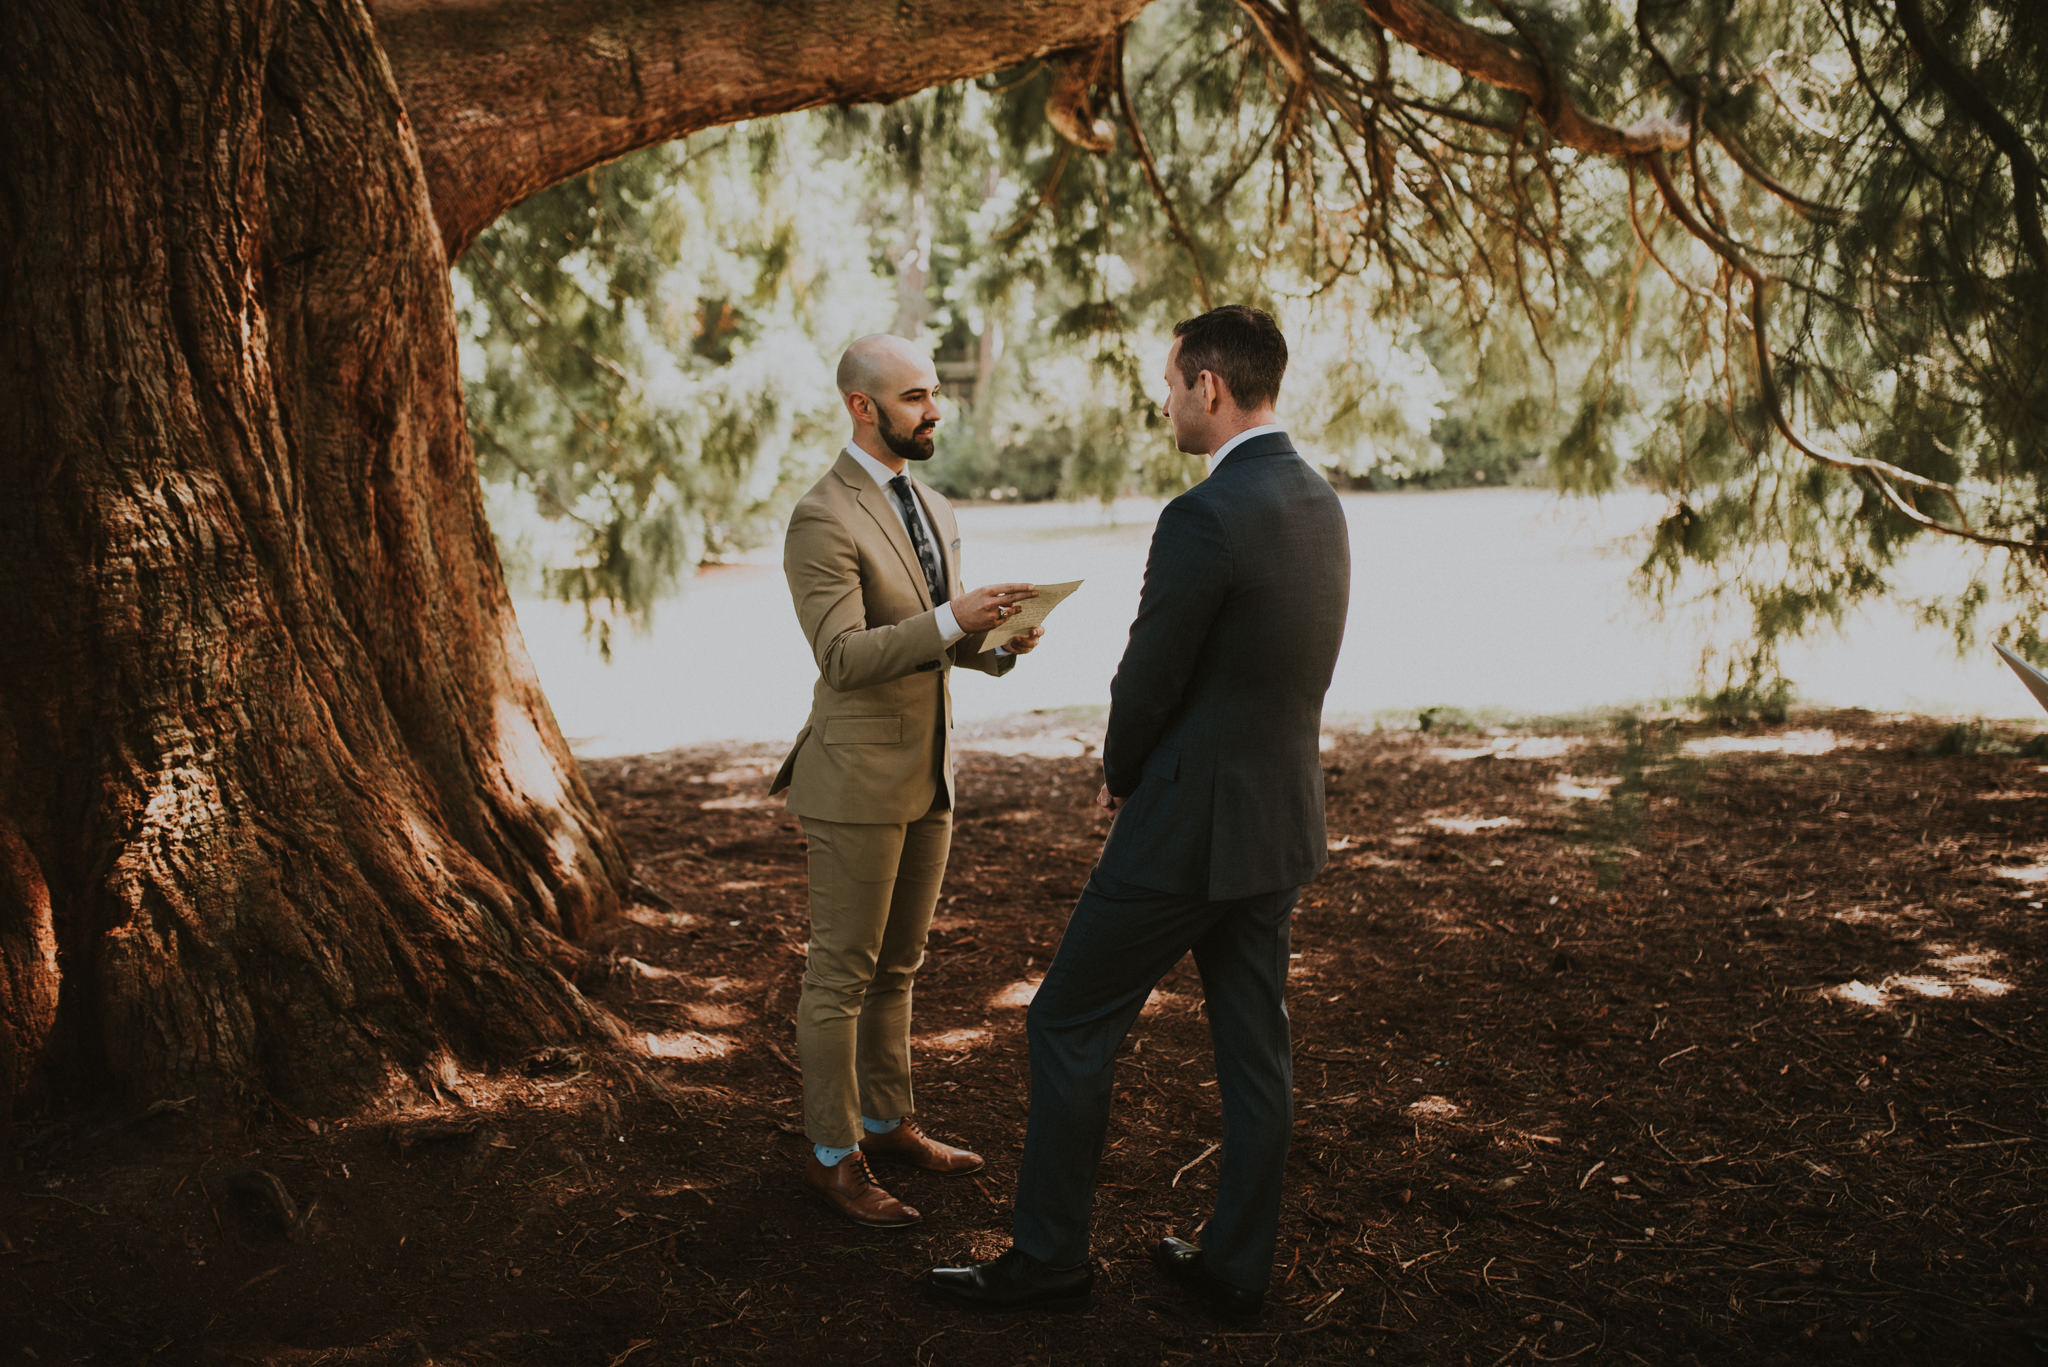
1647, 1043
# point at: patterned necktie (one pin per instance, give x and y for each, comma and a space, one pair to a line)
927, 554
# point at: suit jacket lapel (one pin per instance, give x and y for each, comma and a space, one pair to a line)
878, 505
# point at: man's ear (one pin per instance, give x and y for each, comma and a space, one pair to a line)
860, 407
1212, 391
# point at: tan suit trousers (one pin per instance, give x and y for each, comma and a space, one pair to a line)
873, 887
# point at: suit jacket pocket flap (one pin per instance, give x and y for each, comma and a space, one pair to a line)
863, 730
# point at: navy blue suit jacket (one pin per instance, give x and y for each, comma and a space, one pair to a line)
1216, 712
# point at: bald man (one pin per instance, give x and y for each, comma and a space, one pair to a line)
873, 562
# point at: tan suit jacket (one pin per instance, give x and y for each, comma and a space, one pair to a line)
878, 745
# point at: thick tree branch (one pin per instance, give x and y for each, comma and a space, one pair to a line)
1882, 475
1078, 78
1963, 88
508, 97
1486, 58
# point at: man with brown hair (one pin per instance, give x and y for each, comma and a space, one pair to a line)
1212, 763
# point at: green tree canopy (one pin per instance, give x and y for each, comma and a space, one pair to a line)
1782, 262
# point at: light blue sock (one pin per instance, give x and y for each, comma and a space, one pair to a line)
830, 1156
879, 1126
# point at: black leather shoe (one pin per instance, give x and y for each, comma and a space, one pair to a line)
1182, 1262
1015, 1281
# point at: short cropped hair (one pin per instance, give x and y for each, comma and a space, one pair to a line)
1241, 346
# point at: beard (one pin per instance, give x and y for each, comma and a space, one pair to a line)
915, 444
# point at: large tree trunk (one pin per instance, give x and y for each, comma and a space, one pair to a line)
282, 807
282, 810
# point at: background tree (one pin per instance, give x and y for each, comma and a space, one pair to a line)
1783, 260
1780, 262
1805, 236
958, 214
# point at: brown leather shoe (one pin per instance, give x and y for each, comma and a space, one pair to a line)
912, 1145
849, 1189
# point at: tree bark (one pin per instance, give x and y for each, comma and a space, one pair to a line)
511, 96
282, 809
283, 813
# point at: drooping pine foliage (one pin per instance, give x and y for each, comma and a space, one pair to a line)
648, 353
1782, 260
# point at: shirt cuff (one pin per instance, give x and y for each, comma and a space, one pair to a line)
949, 625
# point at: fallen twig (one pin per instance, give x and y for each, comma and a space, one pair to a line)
1192, 1163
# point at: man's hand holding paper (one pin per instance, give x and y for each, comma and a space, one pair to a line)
1028, 616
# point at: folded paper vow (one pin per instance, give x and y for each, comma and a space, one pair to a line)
1030, 613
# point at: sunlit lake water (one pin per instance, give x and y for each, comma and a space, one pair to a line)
1509, 600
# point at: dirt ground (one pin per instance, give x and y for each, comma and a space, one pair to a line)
1634, 1042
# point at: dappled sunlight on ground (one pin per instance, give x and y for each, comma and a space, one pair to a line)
1971, 968
1585, 789
690, 1046
1035, 747
1016, 996
1471, 825
1742, 1065
1510, 747
548, 1081
713, 1016
2024, 873
1820, 742
950, 1041
1444, 920
741, 802
1457, 754
1956, 973
1881, 913
1433, 1108
661, 920
721, 986
747, 771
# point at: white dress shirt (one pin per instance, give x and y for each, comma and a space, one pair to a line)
949, 625
1216, 456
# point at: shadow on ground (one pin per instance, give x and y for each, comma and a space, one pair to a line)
1654, 1044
